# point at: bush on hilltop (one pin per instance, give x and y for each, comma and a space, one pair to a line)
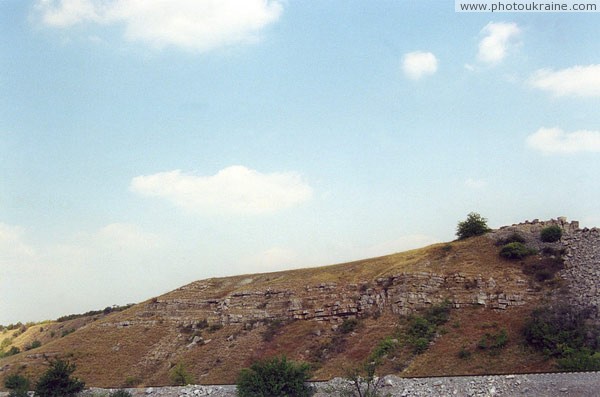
551, 234
474, 225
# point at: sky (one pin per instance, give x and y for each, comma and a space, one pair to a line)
148, 144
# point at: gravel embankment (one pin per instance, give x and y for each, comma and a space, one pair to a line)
579, 384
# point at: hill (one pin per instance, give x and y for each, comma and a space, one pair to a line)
333, 317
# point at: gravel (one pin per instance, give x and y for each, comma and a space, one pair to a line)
580, 384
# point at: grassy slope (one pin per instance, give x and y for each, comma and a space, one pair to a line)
109, 356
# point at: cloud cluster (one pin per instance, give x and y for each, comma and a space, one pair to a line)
45, 273
475, 184
497, 40
233, 190
556, 141
418, 64
13, 248
199, 25
577, 81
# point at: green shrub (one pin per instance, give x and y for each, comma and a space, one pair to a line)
383, 348
180, 376
438, 314
120, 393
17, 384
516, 251
34, 345
131, 381
512, 238
275, 377
463, 353
419, 327
493, 342
551, 234
11, 352
474, 225
558, 331
57, 381
420, 345
66, 332
422, 328
348, 325
580, 360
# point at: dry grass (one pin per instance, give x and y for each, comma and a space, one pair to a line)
143, 355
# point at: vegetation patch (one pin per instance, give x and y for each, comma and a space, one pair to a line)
58, 381
106, 310
474, 225
512, 238
363, 382
551, 234
516, 250
563, 332
493, 342
348, 325
17, 384
33, 345
180, 376
275, 377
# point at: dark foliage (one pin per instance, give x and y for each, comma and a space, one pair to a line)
57, 381
348, 325
563, 332
516, 251
17, 384
474, 225
106, 310
275, 377
551, 234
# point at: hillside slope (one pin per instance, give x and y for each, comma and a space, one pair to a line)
217, 326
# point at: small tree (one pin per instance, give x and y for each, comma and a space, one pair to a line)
365, 383
180, 376
57, 381
17, 384
474, 225
275, 377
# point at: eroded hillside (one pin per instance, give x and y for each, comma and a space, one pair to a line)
217, 326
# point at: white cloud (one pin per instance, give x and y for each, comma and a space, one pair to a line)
88, 271
498, 38
14, 251
234, 189
200, 25
125, 235
472, 183
418, 64
556, 141
580, 81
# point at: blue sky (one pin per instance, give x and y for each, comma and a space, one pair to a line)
148, 144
